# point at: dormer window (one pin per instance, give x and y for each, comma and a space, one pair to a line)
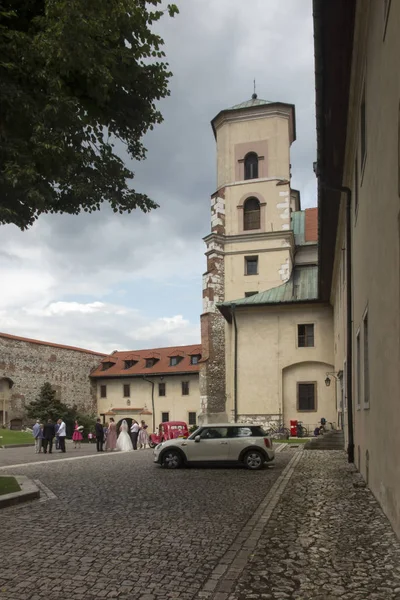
251, 214
150, 362
107, 365
174, 360
251, 166
128, 364
194, 360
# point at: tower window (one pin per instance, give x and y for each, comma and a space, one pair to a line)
251, 214
251, 166
251, 265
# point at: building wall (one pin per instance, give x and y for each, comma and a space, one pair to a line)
140, 402
30, 364
376, 249
270, 363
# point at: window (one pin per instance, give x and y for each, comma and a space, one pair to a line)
192, 418
305, 336
366, 361
251, 265
248, 294
127, 390
107, 365
358, 369
363, 133
162, 391
103, 391
164, 417
194, 360
214, 433
150, 363
128, 364
185, 388
251, 214
251, 166
174, 360
306, 397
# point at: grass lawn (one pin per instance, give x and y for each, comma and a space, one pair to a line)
8, 485
293, 441
15, 437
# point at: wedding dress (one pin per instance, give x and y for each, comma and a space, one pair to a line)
124, 441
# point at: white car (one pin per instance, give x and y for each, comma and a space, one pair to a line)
222, 442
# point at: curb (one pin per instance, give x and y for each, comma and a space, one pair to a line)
29, 491
16, 446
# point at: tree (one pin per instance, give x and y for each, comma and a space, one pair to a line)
46, 406
75, 76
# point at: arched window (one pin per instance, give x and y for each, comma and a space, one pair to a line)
251, 166
251, 214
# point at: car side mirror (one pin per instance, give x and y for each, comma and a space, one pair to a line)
197, 438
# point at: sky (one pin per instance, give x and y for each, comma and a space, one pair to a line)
119, 282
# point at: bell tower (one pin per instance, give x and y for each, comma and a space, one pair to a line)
251, 247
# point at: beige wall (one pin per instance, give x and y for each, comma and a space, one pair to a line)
272, 128
376, 252
270, 363
174, 402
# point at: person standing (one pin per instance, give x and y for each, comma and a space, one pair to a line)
77, 436
143, 438
61, 434
56, 428
48, 434
134, 433
111, 443
99, 435
36, 435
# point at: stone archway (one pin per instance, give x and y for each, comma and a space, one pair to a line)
5, 395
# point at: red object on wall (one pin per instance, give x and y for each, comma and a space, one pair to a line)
293, 428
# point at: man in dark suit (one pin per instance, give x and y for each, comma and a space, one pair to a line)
99, 435
49, 432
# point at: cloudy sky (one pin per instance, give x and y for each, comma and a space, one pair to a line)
108, 282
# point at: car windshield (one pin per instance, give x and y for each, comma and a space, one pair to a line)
176, 427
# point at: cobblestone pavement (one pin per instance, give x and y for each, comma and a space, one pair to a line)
326, 539
121, 527
22, 455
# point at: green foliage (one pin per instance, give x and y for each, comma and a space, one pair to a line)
46, 406
75, 75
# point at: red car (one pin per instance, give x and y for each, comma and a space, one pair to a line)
169, 430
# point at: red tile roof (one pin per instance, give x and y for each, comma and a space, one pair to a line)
161, 366
311, 227
42, 343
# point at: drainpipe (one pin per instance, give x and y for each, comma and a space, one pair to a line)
349, 327
152, 401
235, 402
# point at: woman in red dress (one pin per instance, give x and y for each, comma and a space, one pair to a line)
77, 436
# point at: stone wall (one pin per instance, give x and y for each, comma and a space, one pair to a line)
212, 373
27, 364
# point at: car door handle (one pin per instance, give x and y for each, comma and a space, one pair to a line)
223, 442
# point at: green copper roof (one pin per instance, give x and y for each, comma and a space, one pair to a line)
250, 103
298, 226
301, 287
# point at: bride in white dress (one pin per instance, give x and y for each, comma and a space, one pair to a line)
124, 440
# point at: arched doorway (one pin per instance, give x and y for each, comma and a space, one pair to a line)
5, 394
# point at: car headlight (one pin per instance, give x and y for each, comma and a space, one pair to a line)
159, 446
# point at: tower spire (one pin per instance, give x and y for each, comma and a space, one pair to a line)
254, 95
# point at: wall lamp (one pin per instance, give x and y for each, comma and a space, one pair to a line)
337, 376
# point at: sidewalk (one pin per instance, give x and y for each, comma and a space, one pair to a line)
326, 539
26, 454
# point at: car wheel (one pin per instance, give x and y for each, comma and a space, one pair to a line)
152, 444
171, 459
253, 460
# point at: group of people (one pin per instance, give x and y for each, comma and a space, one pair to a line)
125, 440
44, 435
